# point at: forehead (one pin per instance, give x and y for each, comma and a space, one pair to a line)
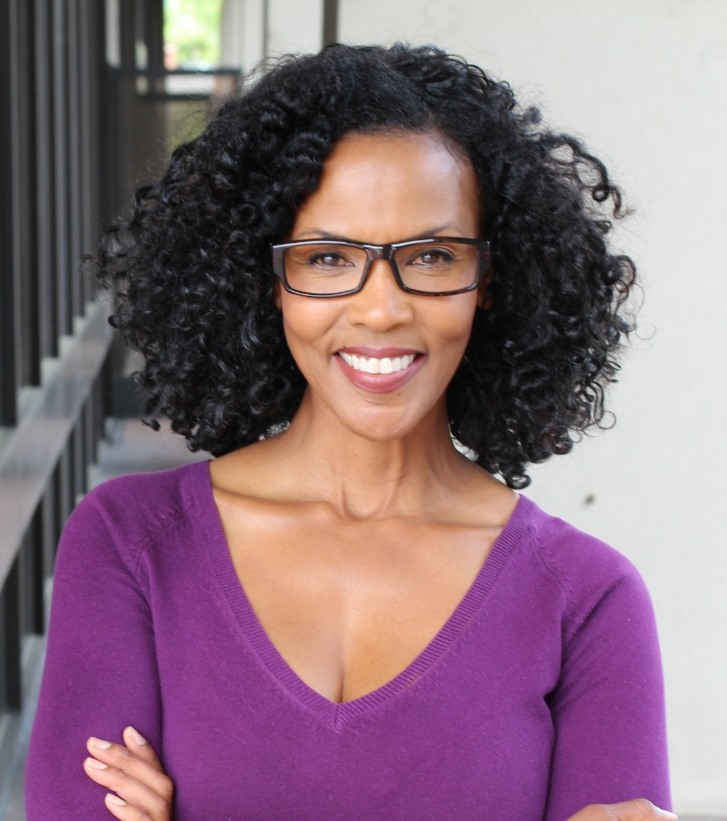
388, 187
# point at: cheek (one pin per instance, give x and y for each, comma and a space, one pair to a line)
306, 323
455, 327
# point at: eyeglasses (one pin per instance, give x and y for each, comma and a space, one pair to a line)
440, 266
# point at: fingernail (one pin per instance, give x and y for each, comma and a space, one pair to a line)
97, 765
136, 737
114, 799
99, 744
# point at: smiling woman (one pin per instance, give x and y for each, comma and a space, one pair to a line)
384, 188
371, 252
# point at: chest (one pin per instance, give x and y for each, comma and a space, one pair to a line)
349, 607
436, 763
463, 732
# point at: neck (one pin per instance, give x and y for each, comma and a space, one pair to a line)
365, 477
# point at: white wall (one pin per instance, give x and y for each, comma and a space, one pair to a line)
295, 25
645, 82
255, 29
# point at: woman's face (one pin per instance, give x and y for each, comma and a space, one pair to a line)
379, 189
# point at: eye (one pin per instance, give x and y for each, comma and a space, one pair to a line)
327, 258
432, 257
321, 258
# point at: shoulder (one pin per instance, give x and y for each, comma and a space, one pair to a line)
570, 553
589, 574
137, 494
133, 511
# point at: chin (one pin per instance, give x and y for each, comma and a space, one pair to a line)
390, 425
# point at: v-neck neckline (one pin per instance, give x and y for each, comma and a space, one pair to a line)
331, 713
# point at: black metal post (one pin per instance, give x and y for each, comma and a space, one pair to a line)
8, 364
330, 22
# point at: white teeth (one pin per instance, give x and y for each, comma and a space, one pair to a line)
369, 364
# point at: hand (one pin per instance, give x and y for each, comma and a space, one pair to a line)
637, 810
141, 788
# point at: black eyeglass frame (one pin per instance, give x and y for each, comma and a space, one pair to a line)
386, 252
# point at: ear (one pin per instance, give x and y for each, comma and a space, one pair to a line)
277, 295
484, 292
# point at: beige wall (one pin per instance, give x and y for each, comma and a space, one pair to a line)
645, 81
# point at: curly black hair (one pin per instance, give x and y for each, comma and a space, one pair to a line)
192, 265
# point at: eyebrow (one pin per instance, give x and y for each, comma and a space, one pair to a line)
318, 233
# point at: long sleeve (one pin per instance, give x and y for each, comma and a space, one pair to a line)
608, 707
541, 694
100, 671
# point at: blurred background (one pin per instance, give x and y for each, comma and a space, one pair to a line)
95, 94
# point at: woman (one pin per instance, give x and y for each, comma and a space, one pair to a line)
343, 616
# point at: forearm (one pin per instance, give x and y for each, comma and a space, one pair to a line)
608, 710
100, 673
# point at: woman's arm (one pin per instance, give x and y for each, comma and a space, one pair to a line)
608, 707
143, 791
100, 672
637, 810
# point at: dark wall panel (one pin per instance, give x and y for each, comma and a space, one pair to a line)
8, 296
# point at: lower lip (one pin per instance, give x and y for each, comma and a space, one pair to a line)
380, 382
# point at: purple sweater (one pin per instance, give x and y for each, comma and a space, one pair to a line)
542, 693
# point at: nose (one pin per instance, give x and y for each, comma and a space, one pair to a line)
380, 304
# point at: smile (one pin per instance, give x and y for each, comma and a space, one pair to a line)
385, 364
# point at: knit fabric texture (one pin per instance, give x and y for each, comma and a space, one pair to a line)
541, 694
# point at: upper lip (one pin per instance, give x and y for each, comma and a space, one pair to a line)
377, 353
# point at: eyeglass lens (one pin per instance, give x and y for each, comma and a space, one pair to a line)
333, 267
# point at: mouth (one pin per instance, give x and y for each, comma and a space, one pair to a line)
378, 365
383, 370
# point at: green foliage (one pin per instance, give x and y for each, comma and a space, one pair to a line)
192, 28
